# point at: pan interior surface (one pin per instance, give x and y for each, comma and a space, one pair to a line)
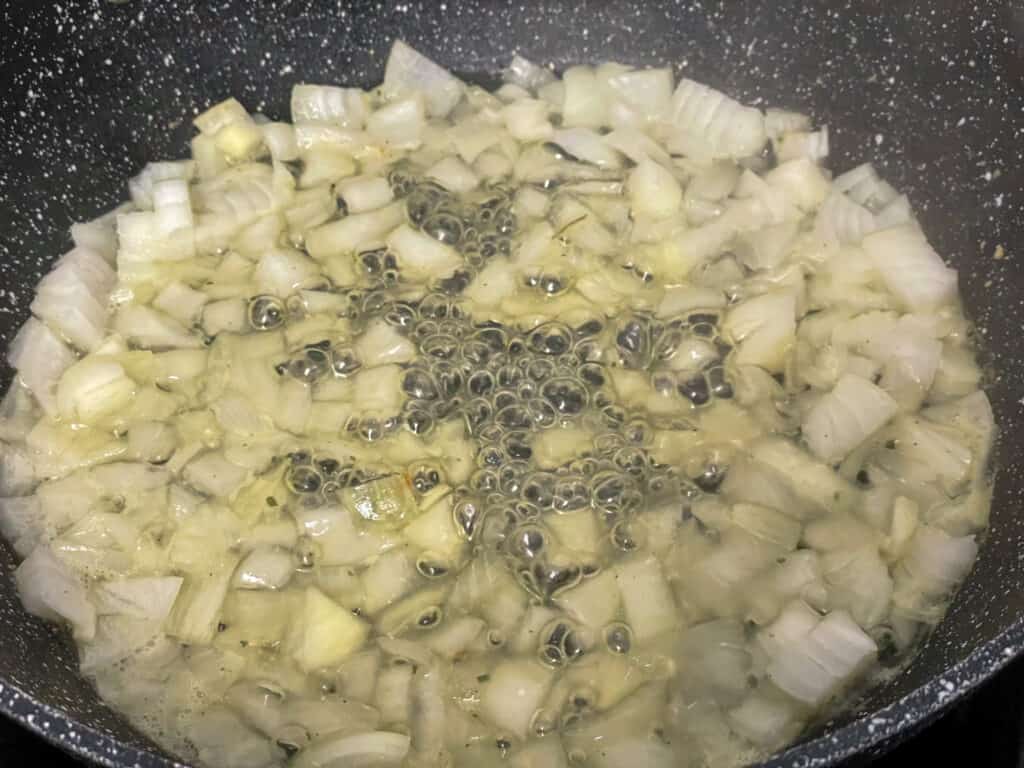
930, 94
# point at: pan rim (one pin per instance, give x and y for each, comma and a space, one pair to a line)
868, 734
878, 731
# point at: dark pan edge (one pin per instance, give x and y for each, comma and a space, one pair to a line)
58, 728
879, 731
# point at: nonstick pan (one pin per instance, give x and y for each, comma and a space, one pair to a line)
932, 92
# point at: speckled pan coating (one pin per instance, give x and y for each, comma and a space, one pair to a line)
931, 91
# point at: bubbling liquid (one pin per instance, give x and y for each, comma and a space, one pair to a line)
526, 445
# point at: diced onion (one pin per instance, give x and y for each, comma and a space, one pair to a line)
584, 104
527, 120
526, 74
765, 327
265, 568
247, 454
647, 92
646, 598
141, 598
73, 297
282, 270
843, 419
586, 145
40, 358
707, 123
515, 691
20, 523
181, 302
780, 121
153, 329
92, 389
409, 71
327, 103
653, 190
420, 254
910, 268
453, 174
365, 193
213, 474
48, 588
350, 232
378, 749
280, 140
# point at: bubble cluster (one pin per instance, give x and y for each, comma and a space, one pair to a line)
507, 385
686, 355
371, 428
425, 476
548, 284
310, 363
480, 226
379, 264
560, 643
546, 577
497, 379
316, 479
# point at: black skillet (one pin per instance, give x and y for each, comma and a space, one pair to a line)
932, 92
